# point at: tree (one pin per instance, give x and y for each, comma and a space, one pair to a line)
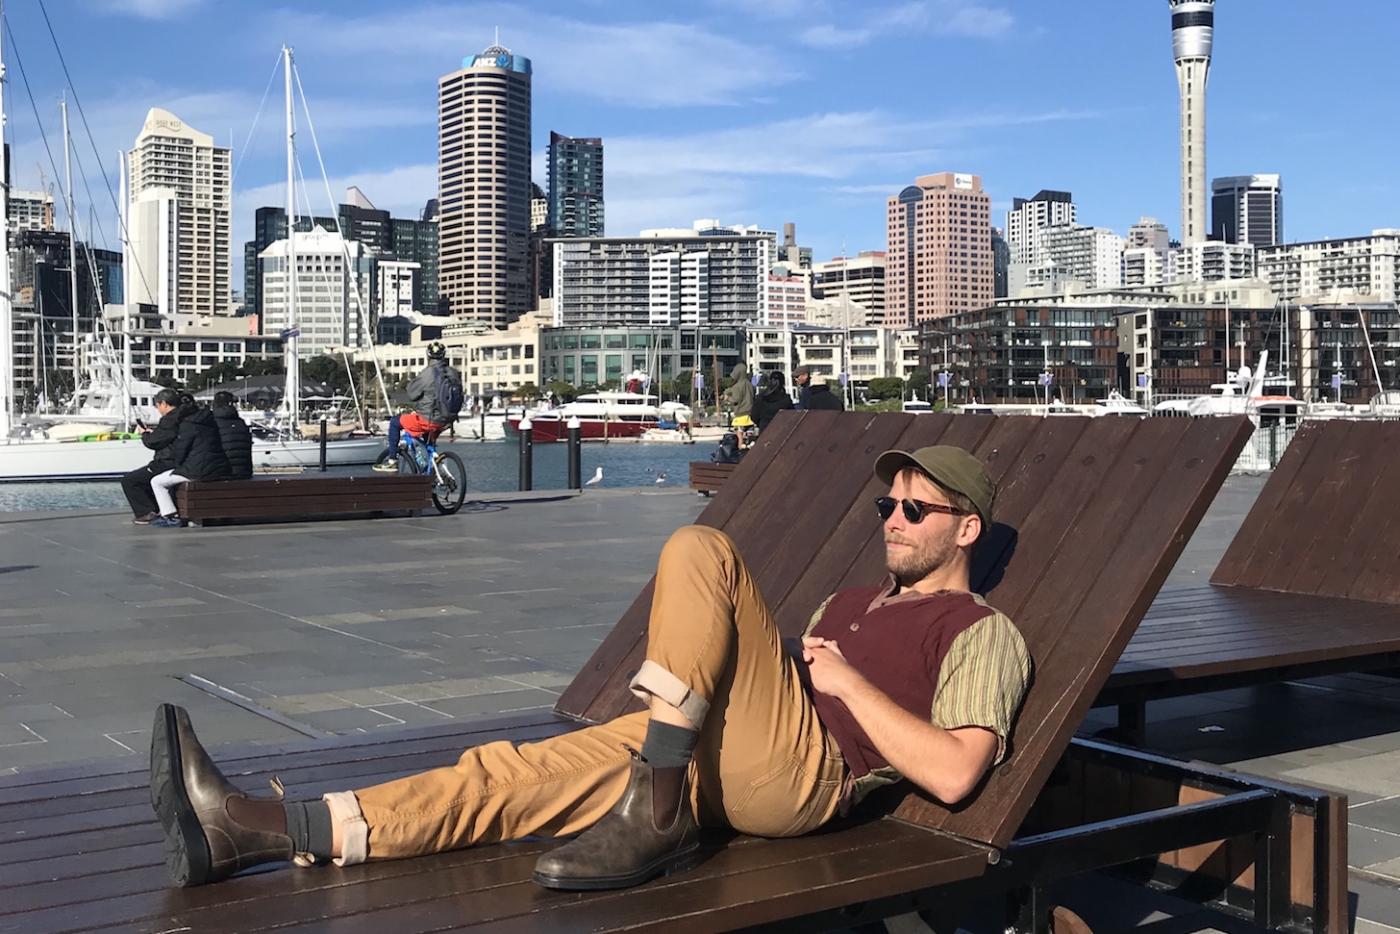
565, 391
919, 382
527, 391
884, 387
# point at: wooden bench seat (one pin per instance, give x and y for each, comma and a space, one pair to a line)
80, 849
302, 497
708, 478
1309, 585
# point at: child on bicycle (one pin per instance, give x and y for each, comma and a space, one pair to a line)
436, 397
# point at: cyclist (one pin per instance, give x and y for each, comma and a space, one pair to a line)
436, 396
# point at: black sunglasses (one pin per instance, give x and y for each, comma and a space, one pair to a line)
914, 510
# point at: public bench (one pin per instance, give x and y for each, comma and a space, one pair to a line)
707, 478
83, 850
1309, 585
299, 497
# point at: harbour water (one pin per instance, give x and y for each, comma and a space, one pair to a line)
492, 467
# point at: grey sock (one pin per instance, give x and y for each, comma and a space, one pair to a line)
668, 746
309, 826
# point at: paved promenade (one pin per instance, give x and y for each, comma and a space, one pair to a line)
271, 633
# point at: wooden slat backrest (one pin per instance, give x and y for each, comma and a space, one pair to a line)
1090, 516
1328, 520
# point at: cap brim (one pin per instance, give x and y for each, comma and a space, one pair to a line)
890, 463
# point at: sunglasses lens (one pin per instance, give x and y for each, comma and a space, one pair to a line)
885, 506
912, 512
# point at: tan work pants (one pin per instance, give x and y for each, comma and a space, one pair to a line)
764, 764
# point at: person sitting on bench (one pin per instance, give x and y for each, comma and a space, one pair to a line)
917, 678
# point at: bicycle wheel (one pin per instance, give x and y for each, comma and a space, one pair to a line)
450, 483
407, 467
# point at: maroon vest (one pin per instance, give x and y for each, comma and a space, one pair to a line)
899, 648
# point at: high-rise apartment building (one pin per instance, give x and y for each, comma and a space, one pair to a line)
484, 187
1367, 268
30, 210
1001, 263
1090, 256
1150, 233
1193, 33
1247, 209
939, 249
1025, 220
664, 278
1212, 260
169, 154
575, 185
859, 278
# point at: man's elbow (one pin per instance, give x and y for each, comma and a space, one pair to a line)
953, 788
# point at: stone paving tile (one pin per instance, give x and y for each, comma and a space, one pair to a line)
504, 702
1379, 813
1376, 775
1367, 847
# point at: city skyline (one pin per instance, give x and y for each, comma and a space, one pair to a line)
750, 112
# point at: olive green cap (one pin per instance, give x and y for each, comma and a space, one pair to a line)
950, 467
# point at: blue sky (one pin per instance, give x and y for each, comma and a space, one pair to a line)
753, 111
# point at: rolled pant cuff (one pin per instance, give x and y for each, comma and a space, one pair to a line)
354, 832
652, 680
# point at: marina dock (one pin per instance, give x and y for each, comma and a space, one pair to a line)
282, 633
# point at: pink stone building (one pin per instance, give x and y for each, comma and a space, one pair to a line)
939, 258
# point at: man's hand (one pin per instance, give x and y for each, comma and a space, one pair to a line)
829, 670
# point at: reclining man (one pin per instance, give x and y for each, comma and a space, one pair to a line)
917, 679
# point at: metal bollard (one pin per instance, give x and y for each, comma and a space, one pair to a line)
575, 454
482, 436
527, 455
323, 445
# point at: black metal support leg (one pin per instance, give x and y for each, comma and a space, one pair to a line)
1028, 911
1272, 872
1132, 722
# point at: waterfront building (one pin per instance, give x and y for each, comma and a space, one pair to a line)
1247, 209
334, 288
181, 347
170, 156
575, 170
1144, 266
590, 356
1193, 33
1332, 348
29, 210
1345, 269
706, 276
861, 353
939, 249
859, 278
484, 187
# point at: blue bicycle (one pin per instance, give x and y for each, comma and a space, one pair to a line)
418, 454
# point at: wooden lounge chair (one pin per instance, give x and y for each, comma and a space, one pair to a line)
1090, 518
1307, 587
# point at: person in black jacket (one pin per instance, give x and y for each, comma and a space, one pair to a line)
820, 396
198, 456
234, 436
772, 400
137, 483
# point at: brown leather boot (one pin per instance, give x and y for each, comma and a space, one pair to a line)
203, 843
626, 847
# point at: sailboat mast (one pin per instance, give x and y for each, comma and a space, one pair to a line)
124, 219
7, 323
72, 241
293, 364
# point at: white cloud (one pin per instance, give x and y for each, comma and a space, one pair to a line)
956, 18
648, 64
149, 9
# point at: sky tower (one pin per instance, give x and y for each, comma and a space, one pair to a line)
1193, 29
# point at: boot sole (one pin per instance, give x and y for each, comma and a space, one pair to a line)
666, 866
186, 851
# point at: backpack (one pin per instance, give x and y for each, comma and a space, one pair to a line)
449, 393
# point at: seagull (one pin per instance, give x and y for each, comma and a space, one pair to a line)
596, 479
661, 478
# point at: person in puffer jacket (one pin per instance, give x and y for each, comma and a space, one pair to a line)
234, 436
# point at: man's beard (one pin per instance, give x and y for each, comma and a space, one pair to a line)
910, 565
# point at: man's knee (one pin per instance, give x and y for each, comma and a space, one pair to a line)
692, 542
